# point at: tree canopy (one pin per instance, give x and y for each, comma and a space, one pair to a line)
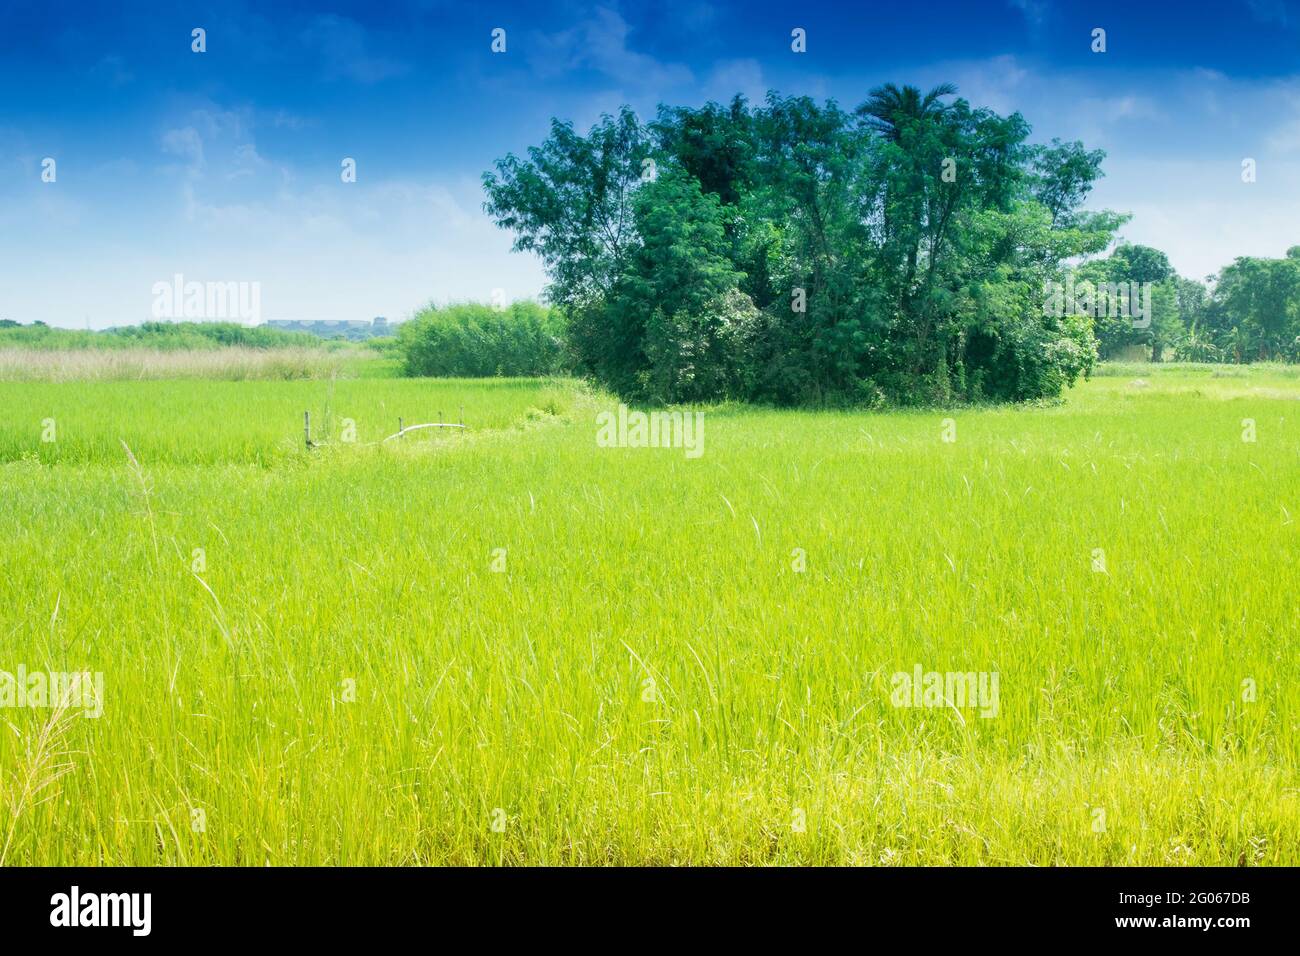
795, 252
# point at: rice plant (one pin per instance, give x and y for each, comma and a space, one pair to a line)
511, 645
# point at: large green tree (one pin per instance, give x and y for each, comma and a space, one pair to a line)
1136, 295
794, 252
1257, 308
675, 326
571, 202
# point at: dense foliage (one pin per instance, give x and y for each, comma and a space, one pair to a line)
477, 340
1249, 312
797, 253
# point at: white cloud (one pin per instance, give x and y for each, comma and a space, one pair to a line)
356, 250
1270, 11
186, 143
331, 251
217, 144
601, 44
112, 69
1202, 214
344, 51
1035, 11
730, 77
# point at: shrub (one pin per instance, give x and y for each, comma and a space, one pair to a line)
475, 340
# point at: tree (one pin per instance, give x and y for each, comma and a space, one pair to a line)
1062, 175
571, 203
1135, 297
961, 246
1195, 344
1142, 263
1257, 307
796, 253
890, 110
812, 250
713, 144
675, 325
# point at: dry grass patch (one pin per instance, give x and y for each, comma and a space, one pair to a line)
230, 364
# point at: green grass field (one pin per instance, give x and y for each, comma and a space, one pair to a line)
340, 676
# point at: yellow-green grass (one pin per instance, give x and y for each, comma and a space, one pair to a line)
649, 679
214, 423
235, 363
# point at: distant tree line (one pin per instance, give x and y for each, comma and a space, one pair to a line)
1249, 311
165, 336
798, 253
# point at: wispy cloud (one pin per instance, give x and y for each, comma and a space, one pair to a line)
216, 144
186, 143
730, 77
112, 69
1272, 11
601, 44
343, 46
1035, 11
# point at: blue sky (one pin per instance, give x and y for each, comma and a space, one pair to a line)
224, 166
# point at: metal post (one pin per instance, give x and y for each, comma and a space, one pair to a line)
306, 428
400, 428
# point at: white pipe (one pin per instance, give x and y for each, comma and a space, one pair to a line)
411, 428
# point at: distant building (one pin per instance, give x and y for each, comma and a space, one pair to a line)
352, 330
